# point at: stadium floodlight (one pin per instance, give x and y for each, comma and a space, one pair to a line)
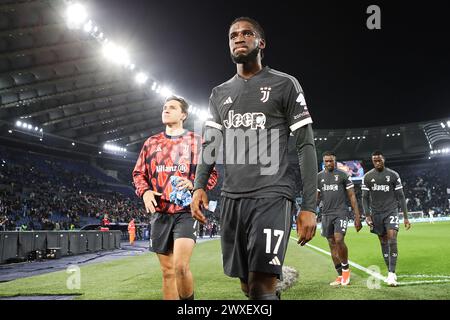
443, 125
73, 143
203, 115
165, 92
398, 134
154, 86
387, 135
116, 54
88, 26
29, 129
76, 15
325, 139
9, 131
141, 78
348, 138
112, 148
448, 123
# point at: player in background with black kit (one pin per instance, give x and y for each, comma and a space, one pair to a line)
260, 107
334, 186
382, 192
171, 153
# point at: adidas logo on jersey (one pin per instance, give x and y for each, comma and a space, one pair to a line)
275, 261
373, 180
228, 101
301, 99
158, 149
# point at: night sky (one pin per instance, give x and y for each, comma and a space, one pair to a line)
351, 76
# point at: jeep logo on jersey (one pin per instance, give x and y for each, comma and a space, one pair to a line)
253, 120
266, 93
330, 187
388, 178
380, 187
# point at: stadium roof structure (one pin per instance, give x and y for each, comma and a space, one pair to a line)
56, 78
57, 90
412, 141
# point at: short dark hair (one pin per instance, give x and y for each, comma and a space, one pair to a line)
377, 153
255, 24
183, 103
328, 153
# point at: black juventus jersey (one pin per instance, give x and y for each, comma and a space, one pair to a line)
332, 187
256, 117
381, 187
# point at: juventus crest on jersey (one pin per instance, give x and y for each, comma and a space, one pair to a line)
256, 117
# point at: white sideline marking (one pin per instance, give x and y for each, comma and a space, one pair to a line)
379, 276
353, 264
423, 276
404, 283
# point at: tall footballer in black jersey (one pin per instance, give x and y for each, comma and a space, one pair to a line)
382, 192
253, 114
334, 186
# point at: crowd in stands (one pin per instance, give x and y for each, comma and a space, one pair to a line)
49, 196
426, 187
44, 193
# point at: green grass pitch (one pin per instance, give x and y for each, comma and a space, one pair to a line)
423, 264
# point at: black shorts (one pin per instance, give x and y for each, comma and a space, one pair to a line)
254, 235
383, 222
166, 228
334, 223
